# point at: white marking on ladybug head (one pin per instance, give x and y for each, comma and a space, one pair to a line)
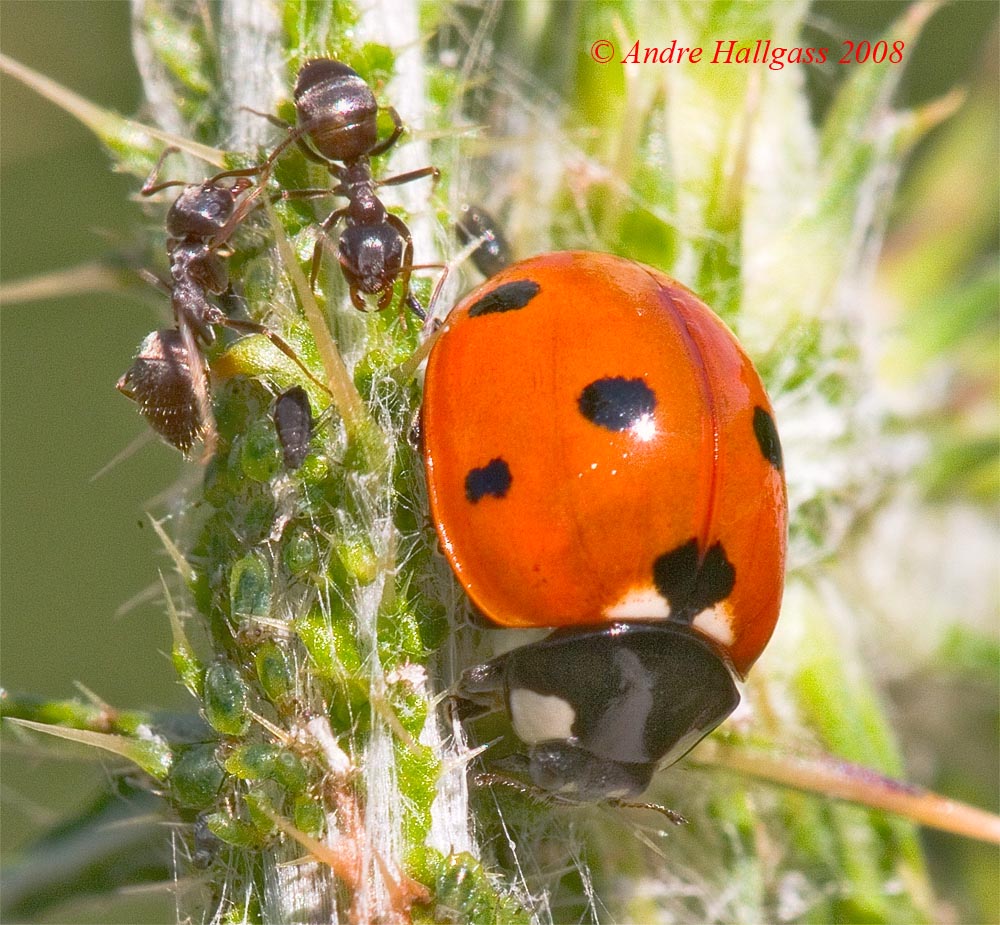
639, 604
540, 717
716, 622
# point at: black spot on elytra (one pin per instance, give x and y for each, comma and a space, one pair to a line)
492, 479
506, 298
616, 403
767, 436
690, 587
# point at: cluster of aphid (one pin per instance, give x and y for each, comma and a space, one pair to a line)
337, 127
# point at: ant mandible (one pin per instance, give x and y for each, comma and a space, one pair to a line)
168, 378
338, 128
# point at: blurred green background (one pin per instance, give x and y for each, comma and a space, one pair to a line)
74, 550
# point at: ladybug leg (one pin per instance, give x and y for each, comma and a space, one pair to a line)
483, 684
519, 768
415, 435
480, 690
532, 792
493, 779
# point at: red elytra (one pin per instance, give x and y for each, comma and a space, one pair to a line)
599, 448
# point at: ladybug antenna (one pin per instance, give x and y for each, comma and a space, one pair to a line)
672, 815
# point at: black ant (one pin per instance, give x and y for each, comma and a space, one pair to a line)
168, 378
338, 127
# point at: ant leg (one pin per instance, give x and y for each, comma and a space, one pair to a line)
388, 142
151, 186
240, 213
154, 280
254, 327
409, 299
251, 202
305, 193
410, 176
273, 119
263, 169
295, 133
199, 382
408, 267
321, 241
298, 134
336, 171
435, 293
413, 303
235, 172
396, 222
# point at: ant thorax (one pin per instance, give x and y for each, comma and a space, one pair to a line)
200, 212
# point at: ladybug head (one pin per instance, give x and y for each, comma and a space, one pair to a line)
601, 708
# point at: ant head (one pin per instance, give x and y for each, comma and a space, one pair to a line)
202, 211
337, 109
371, 257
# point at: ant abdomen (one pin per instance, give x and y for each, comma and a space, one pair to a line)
339, 109
161, 382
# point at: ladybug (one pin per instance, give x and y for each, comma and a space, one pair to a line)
602, 459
